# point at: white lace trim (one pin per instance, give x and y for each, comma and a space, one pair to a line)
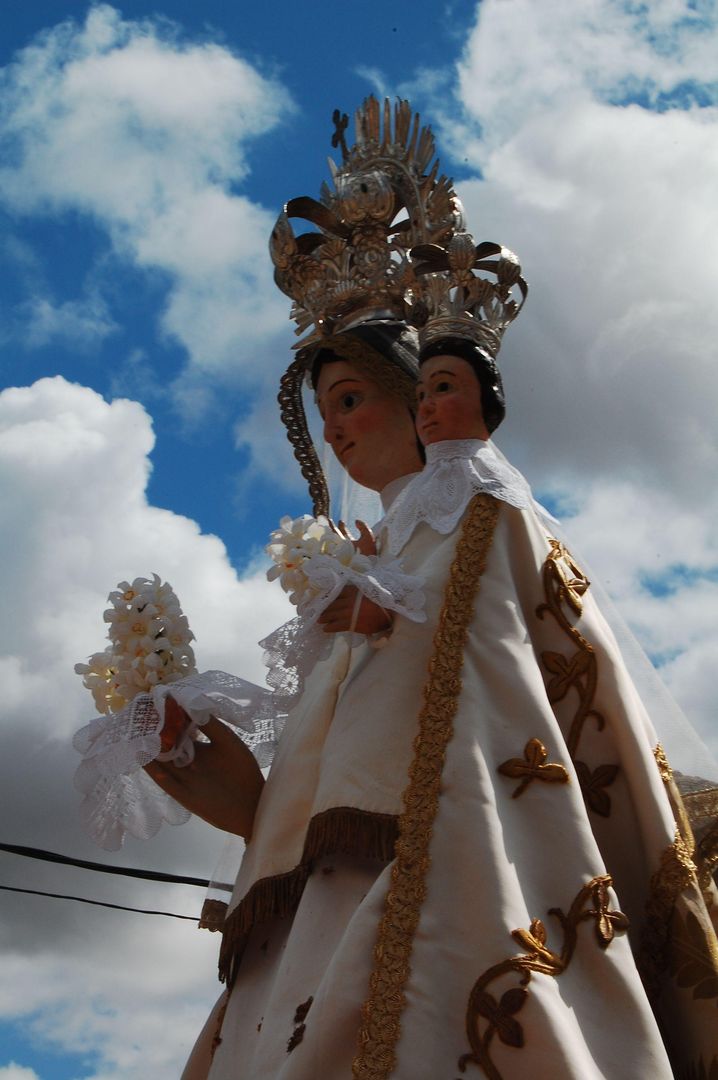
455, 471
119, 797
291, 651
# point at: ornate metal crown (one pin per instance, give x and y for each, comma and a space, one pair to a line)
386, 200
391, 242
453, 301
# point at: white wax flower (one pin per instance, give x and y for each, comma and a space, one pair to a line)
149, 644
296, 543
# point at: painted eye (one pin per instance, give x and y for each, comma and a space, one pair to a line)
443, 386
349, 400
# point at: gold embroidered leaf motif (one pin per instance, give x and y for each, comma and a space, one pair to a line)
566, 672
537, 958
501, 1014
607, 921
690, 960
534, 942
593, 784
533, 767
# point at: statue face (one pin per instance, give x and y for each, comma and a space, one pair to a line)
449, 401
370, 430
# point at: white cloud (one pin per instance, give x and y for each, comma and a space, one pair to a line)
17, 1072
123, 121
524, 59
76, 520
81, 323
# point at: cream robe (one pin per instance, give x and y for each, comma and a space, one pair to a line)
301, 936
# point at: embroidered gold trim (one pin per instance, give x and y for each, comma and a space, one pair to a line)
565, 585
381, 1013
701, 810
675, 873
663, 766
533, 766
342, 830
499, 1015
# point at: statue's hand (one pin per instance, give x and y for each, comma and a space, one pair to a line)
344, 614
365, 542
222, 784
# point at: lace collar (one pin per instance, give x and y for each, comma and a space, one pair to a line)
455, 471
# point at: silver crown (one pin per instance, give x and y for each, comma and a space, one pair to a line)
455, 300
386, 199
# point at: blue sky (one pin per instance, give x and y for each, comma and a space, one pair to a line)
145, 152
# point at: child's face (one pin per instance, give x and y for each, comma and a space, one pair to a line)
449, 401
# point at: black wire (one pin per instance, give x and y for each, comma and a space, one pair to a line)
104, 868
98, 903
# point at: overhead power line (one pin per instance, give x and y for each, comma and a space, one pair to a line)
97, 903
103, 868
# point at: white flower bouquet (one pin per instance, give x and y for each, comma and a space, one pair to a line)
149, 645
301, 547
148, 659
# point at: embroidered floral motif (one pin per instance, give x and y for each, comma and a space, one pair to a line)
593, 784
300, 1027
565, 586
381, 1013
532, 767
487, 1016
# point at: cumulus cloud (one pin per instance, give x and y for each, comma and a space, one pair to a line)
17, 1072
591, 132
73, 475
146, 134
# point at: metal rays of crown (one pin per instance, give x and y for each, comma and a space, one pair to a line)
391, 242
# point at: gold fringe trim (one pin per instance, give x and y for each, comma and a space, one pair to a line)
342, 830
213, 915
381, 1012
675, 873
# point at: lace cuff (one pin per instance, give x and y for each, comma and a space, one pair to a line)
384, 584
120, 798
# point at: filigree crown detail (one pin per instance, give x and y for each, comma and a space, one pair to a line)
389, 241
386, 198
453, 300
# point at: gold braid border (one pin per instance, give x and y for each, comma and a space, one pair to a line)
381, 1013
